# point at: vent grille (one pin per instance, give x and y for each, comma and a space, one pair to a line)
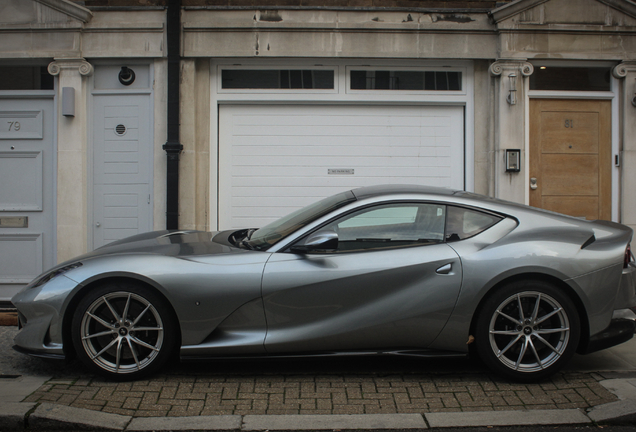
120, 129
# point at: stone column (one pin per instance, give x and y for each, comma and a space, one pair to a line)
627, 113
72, 139
194, 171
510, 126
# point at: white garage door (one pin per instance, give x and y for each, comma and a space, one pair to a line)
274, 159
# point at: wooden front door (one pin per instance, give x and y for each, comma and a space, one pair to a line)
570, 157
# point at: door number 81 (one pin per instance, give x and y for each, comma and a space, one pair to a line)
569, 124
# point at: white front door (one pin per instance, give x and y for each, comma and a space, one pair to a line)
27, 191
122, 167
274, 159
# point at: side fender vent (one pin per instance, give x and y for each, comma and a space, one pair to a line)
588, 242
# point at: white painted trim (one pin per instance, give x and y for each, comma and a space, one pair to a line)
526, 121
27, 94
468, 86
549, 94
55, 171
615, 113
213, 212
123, 92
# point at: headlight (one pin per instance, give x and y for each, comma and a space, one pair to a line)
50, 275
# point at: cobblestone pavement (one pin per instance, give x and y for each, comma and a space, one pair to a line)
209, 394
316, 386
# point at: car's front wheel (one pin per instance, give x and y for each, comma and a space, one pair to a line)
123, 331
527, 330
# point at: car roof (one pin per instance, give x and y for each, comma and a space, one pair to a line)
390, 189
459, 197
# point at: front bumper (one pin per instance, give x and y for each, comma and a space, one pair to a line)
40, 354
40, 318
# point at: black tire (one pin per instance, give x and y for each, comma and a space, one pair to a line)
123, 331
527, 330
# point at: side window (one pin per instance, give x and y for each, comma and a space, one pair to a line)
390, 225
462, 223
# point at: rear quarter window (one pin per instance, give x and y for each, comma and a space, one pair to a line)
463, 223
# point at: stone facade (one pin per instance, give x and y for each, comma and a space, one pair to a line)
497, 38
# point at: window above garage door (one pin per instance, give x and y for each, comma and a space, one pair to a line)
405, 79
338, 79
288, 79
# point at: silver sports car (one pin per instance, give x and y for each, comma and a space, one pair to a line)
382, 270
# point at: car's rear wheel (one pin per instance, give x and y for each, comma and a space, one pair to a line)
527, 330
123, 331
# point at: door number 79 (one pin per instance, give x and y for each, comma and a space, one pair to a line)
14, 125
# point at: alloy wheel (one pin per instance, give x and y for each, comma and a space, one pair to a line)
122, 332
529, 331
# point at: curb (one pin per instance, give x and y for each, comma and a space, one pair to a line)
21, 416
47, 416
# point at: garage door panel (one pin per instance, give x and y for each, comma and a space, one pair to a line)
276, 159
332, 131
333, 181
328, 161
334, 151
245, 175
316, 141
364, 117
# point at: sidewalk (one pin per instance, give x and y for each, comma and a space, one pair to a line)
387, 393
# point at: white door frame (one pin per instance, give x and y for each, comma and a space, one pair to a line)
49, 251
611, 95
145, 91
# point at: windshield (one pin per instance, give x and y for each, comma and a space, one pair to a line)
269, 235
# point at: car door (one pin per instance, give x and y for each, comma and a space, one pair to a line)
391, 283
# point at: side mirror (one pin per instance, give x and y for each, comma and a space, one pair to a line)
321, 240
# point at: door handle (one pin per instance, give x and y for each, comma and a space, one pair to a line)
445, 269
533, 183
98, 224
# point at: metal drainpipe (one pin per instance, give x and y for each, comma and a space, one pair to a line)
173, 147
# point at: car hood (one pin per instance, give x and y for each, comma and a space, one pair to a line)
168, 243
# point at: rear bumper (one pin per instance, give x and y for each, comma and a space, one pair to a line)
623, 323
621, 329
626, 296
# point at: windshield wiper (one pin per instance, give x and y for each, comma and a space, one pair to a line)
246, 244
245, 241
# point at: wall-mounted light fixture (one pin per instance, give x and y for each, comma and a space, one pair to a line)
513, 160
68, 101
512, 95
126, 76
